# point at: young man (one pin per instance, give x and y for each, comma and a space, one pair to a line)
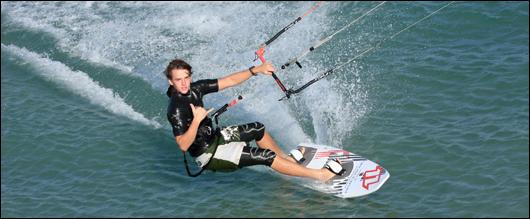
194, 133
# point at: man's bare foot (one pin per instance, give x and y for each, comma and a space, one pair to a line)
326, 174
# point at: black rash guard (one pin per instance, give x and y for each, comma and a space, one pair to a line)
180, 115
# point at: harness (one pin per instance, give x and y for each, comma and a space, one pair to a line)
217, 134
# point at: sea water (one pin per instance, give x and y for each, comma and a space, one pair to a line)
443, 106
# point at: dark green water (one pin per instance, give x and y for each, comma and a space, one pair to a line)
442, 106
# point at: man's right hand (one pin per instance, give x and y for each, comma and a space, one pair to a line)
199, 113
265, 68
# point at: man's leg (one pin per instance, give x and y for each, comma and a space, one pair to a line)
287, 167
268, 143
255, 131
257, 156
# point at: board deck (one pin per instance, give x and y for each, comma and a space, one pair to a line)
361, 177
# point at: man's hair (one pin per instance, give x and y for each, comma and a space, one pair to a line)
177, 64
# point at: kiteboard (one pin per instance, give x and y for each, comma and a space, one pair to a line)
361, 176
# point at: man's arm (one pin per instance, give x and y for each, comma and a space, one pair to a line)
185, 140
241, 76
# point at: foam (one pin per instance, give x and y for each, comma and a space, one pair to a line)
65, 23
79, 83
216, 39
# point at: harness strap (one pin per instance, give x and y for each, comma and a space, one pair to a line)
208, 163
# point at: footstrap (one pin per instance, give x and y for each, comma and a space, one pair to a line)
297, 155
335, 167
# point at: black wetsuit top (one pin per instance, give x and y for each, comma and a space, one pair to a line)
180, 115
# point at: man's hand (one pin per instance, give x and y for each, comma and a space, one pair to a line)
199, 113
241, 76
265, 68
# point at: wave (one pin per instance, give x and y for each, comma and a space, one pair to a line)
79, 83
141, 38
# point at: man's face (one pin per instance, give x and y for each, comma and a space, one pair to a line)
180, 80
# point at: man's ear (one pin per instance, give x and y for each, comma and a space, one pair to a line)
170, 83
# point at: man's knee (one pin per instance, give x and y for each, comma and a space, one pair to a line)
256, 156
269, 157
252, 131
261, 131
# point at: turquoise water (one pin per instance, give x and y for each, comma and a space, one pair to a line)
443, 107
